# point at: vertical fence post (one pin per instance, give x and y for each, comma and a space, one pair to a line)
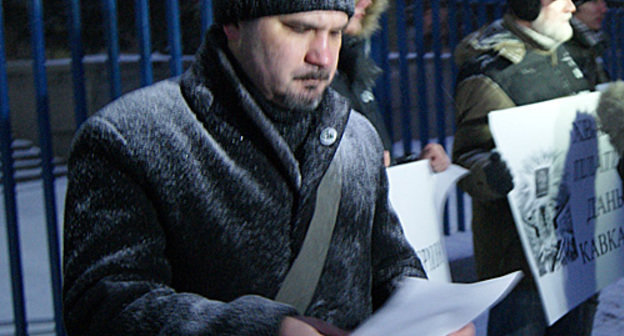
421, 72
206, 16
439, 92
10, 206
141, 8
481, 13
498, 10
611, 54
619, 14
401, 28
77, 52
38, 46
379, 52
175, 41
112, 39
613, 27
468, 15
453, 41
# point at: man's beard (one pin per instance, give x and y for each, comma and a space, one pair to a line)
560, 31
305, 101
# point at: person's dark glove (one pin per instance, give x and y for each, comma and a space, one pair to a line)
497, 174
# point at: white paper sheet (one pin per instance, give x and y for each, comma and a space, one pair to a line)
435, 308
417, 195
443, 183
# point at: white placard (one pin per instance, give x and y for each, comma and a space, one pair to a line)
567, 197
417, 194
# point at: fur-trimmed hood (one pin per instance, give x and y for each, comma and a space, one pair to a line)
504, 37
497, 38
370, 21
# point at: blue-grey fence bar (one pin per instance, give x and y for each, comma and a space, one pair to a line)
439, 89
423, 100
617, 36
453, 41
77, 52
112, 39
439, 81
460, 20
611, 54
404, 80
45, 141
10, 203
206, 15
175, 42
144, 38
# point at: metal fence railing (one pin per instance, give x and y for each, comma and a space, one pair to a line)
15, 260
415, 49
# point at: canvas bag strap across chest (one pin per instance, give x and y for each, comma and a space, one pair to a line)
302, 278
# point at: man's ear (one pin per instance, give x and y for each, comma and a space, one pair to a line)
232, 31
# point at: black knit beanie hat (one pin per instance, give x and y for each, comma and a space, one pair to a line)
230, 11
525, 9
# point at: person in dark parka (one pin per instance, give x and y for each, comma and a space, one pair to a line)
515, 61
357, 73
188, 200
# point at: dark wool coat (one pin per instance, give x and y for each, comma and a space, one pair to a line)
185, 209
501, 67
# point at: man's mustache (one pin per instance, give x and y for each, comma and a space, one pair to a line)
318, 75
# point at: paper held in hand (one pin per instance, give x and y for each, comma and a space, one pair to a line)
435, 308
417, 195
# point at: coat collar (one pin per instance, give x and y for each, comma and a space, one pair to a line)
505, 38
